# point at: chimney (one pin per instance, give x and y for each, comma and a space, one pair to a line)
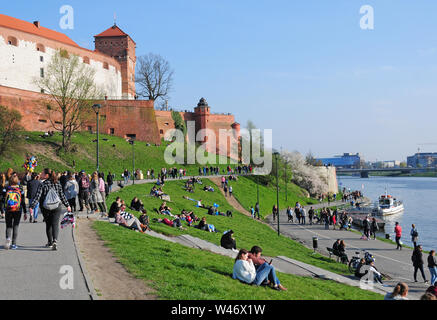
36, 23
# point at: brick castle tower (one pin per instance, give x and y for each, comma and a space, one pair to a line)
115, 43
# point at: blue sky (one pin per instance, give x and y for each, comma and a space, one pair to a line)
302, 68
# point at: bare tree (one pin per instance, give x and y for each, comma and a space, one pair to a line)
154, 76
71, 92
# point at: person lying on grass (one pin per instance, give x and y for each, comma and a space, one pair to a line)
127, 220
203, 225
245, 271
208, 188
176, 223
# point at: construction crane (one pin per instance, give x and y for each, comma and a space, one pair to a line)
425, 144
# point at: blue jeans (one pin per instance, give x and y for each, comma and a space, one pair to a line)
433, 272
265, 272
35, 211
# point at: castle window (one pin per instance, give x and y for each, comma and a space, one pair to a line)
41, 58
58, 122
12, 41
43, 91
161, 131
86, 60
111, 131
41, 71
106, 65
40, 47
42, 121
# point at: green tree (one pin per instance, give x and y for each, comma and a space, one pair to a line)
9, 128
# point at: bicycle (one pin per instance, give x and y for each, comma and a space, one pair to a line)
355, 261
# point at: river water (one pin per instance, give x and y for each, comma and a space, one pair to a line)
419, 196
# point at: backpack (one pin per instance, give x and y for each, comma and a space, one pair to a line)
52, 201
13, 199
415, 234
85, 183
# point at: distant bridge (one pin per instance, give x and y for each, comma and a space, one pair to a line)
364, 173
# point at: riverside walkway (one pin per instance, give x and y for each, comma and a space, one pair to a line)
394, 263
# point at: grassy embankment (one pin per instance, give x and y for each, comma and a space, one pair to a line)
115, 154
182, 273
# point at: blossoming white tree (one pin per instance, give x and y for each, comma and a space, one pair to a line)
304, 175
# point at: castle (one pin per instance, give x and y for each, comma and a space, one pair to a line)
26, 49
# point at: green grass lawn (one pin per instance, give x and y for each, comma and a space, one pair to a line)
245, 191
180, 273
248, 232
114, 159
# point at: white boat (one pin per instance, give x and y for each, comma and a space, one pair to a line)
387, 205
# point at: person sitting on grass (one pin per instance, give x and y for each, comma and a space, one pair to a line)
115, 206
136, 204
127, 220
228, 241
245, 271
164, 209
144, 220
255, 256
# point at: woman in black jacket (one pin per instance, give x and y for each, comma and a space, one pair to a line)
417, 259
227, 241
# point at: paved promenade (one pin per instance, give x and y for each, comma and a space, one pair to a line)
32, 272
395, 263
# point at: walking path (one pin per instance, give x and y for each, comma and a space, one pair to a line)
395, 263
33, 272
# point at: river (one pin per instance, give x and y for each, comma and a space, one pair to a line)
419, 196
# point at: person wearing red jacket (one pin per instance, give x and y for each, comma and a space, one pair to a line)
398, 232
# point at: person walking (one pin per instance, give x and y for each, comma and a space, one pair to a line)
230, 191
398, 233
110, 180
289, 214
71, 191
414, 235
417, 259
432, 266
32, 187
374, 228
84, 192
274, 212
95, 195
311, 215
257, 209
303, 214
51, 197
366, 225
102, 190
15, 205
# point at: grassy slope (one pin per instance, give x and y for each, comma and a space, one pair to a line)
181, 273
247, 231
245, 191
110, 158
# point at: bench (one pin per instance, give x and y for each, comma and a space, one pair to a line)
331, 252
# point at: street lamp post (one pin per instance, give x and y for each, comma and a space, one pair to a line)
276, 154
96, 109
286, 188
132, 142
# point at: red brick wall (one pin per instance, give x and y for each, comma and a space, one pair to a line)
124, 116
